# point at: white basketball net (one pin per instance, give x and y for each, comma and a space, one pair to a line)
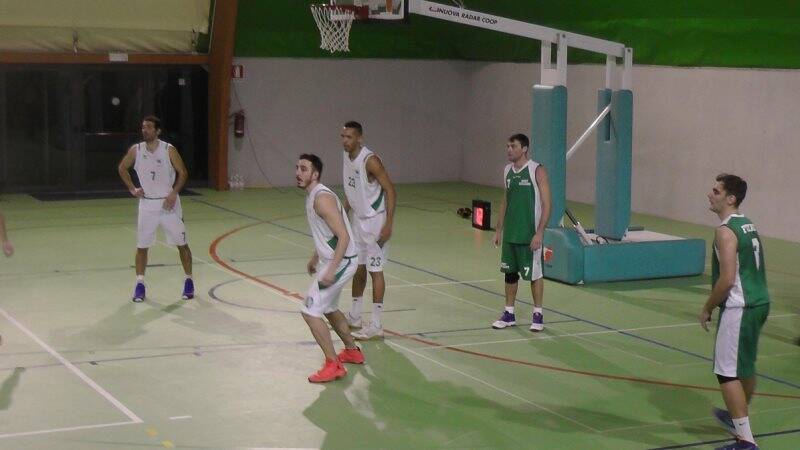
334, 27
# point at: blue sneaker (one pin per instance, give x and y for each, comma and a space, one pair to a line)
537, 322
506, 320
188, 289
138, 293
739, 445
723, 417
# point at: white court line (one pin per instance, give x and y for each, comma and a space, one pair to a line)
634, 354
57, 430
110, 398
496, 388
443, 283
695, 419
454, 297
180, 417
585, 333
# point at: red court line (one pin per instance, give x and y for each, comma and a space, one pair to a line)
212, 250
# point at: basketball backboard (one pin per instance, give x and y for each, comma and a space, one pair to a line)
380, 9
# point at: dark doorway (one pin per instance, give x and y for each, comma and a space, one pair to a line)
65, 128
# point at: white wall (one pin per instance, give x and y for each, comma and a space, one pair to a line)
448, 120
412, 112
689, 125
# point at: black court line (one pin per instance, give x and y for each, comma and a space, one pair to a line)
81, 270
212, 292
272, 258
502, 295
720, 441
422, 333
93, 195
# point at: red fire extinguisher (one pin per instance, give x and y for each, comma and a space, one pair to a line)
238, 124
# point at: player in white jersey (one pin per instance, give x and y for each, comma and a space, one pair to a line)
157, 163
8, 248
334, 263
370, 200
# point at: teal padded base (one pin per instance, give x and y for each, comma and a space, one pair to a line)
569, 261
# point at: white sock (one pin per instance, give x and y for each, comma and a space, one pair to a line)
376, 314
140, 278
188, 277
355, 311
742, 425
537, 309
510, 309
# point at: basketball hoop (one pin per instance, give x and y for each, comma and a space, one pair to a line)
334, 23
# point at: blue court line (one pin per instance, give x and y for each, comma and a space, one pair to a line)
719, 441
502, 295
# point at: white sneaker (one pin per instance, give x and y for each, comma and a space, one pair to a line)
353, 322
369, 333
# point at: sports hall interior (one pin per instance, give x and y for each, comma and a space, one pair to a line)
243, 88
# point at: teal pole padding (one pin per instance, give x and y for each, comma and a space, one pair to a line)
614, 160
549, 143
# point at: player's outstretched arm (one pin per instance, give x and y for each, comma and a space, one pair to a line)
8, 248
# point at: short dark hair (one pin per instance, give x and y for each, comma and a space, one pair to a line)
155, 120
354, 125
316, 163
521, 138
734, 186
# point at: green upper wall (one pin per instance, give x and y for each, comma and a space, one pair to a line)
722, 33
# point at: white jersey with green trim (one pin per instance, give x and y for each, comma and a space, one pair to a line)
367, 199
155, 171
324, 239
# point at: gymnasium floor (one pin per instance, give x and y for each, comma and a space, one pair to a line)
619, 365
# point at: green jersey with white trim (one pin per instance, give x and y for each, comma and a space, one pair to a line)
523, 204
750, 284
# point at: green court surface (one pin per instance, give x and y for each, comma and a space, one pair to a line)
619, 365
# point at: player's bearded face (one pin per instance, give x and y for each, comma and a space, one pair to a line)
304, 173
149, 132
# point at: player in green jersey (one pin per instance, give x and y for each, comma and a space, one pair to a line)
524, 212
739, 289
